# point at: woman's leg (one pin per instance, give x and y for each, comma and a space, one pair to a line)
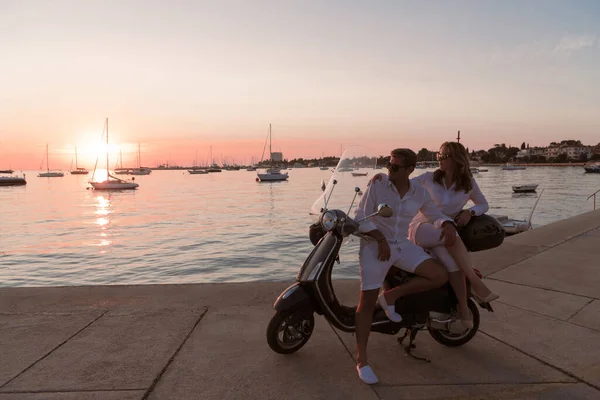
429, 237
458, 283
463, 260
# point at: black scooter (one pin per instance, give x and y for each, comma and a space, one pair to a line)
434, 310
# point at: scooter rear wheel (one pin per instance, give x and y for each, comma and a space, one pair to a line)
450, 339
289, 330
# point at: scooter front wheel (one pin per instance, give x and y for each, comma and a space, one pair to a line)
452, 340
289, 330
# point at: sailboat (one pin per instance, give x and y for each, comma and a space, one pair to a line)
195, 170
272, 174
78, 170
140, 170
48, 173
111, 182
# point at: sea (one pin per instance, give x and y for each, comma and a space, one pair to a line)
219, 227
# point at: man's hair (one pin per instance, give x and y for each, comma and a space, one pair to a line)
410, 158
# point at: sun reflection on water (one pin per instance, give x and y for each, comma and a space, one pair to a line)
103, 211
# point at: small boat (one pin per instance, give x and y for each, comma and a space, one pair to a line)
525, 188
12, 180
48, 173
474, 170
360, 173
271, 174
6, 171
195, 171
252, 168
345, 169
78, 170
111, 182
510, 167
482, 169
323, 168
513, 226
592, 168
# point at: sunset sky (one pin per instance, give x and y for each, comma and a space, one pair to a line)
180, 76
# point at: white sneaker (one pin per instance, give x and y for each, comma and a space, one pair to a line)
390, 311
367, 375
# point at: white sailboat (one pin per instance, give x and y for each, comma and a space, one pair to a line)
111, 182
195, 169
272, 174
140, 170
48, 173
78, 170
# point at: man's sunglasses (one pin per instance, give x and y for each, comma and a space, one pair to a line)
443, 156
394, 167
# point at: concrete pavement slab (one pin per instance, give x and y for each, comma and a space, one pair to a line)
557, 232
589, 316
543, 301
572, 267
481, 361
122, 350
138, 297
540, 391
104, 395
509, 253
26, 338
227, 357
571, 348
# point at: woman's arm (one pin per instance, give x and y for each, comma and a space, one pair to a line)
480, 202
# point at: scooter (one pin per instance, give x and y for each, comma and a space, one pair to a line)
435, 310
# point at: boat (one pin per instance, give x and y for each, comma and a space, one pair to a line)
271, 174
323, 168
510, 167
474, 170
345, 169
592, 168
48, 173
252, 168
111, 182
526, 188
78, 170
513, 226
482, 169
194, 171
13, 180
6, 171
359, 173
139, 170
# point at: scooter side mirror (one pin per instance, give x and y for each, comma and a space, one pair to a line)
385, 211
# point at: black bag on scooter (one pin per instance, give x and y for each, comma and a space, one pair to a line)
483, 232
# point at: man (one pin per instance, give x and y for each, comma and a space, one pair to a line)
392, 247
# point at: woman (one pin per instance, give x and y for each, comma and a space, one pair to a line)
451, 187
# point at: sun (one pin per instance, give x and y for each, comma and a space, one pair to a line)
91, 146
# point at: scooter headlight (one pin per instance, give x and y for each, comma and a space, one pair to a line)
329, 220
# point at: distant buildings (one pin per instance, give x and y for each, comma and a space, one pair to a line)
566, 149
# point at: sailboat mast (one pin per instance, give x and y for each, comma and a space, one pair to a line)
47, 160
139, 156
75, 157
270, 152
107, 170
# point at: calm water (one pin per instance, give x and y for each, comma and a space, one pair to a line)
223, 227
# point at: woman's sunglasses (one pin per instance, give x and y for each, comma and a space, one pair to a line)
443, 156
394, 167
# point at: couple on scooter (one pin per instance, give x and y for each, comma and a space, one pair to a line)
427, 211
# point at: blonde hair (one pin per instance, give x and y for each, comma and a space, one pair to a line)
462, 175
